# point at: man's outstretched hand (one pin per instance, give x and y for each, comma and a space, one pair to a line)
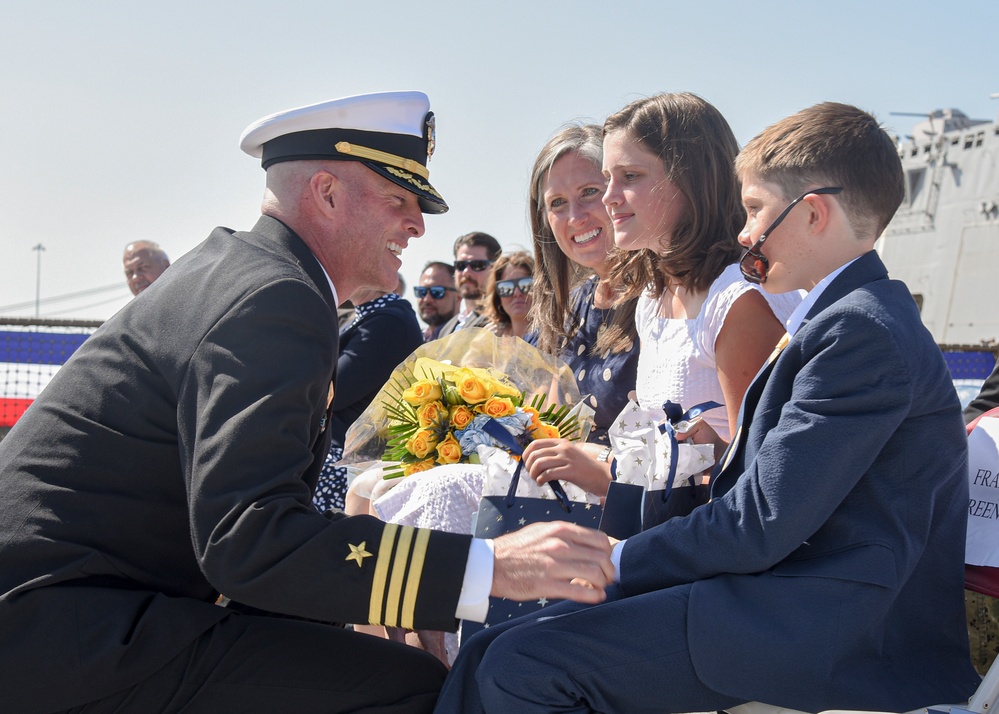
543, 560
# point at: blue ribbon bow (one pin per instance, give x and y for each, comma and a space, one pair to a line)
499, 432
675, 415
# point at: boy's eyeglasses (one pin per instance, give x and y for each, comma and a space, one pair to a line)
754, 265
436, 291
477, 265
505, 288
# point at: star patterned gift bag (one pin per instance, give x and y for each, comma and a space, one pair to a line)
648, 457
511, 500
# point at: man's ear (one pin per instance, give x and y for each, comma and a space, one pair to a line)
325, 190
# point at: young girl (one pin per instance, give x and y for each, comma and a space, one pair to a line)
673, 198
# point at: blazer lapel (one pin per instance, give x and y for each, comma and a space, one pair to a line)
272, 235
750, 400
865, 269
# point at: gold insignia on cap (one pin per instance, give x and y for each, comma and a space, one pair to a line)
413, 180
382, 157
358, 553
430, 133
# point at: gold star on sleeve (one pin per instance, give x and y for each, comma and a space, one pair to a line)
358, 553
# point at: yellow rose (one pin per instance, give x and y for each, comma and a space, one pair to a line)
472, 388
545, 431
426, 390
421, 443
497, 407
449, 450
431, 413
461, 416
418, 466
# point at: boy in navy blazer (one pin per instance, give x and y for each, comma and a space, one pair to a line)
827, 570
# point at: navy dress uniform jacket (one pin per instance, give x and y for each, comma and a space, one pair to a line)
827, 571
174, 458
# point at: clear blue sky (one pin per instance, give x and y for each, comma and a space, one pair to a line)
121, 119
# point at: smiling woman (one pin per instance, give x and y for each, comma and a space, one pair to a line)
576, 314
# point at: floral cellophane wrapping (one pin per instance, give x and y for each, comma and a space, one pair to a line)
526, 367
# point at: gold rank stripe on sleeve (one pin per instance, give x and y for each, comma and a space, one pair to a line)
398, 571
415, 575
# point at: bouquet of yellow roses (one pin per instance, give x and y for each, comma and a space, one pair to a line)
442, 417
444, 400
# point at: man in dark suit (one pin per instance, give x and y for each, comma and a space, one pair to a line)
171, 464
827, 570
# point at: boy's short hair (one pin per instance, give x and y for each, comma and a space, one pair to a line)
831, 144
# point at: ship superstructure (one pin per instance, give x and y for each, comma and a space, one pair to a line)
944, 239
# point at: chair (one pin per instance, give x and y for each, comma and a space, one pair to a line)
977, 578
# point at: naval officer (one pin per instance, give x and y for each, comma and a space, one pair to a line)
170, 465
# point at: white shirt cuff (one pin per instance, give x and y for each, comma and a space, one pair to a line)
616, 559
473, 602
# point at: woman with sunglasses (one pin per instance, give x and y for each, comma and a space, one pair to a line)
673, 200
507, 299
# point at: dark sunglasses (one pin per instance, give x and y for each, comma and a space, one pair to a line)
754, 265
436, 291
477, 265
505, 288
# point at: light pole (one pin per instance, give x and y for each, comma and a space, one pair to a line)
38, 277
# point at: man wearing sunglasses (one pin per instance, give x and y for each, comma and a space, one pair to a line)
436, 297
474, 255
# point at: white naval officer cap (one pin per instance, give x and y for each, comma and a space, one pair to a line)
392, 133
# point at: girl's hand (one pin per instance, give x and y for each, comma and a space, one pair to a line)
560, 459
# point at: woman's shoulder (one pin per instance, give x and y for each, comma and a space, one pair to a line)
729, 282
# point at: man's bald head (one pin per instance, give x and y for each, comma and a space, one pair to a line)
144, 262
